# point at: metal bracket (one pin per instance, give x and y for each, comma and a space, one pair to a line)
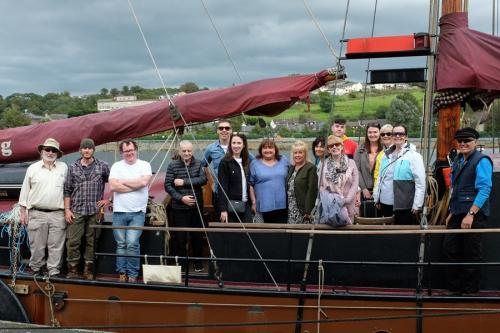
174, 113
58, 299
22, 289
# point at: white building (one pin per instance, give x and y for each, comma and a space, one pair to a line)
343, 88
119, 102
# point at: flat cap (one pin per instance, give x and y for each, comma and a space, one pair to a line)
467, 132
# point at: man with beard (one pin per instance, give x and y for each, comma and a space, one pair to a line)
183, 182
42, 208
83, 198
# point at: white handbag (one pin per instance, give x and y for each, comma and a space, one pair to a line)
161, 273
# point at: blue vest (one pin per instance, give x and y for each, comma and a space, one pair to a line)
464, 180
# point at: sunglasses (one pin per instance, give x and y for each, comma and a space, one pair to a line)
334, 145
385, 134
398, 133
464, 140
222, 128
50, 150
128, 151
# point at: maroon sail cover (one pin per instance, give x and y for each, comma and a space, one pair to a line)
466, 58
265, 97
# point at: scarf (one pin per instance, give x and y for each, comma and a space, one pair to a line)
335, 173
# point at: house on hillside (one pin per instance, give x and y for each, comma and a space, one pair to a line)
36, 119
342, 87
119, 102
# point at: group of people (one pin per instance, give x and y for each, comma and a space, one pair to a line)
59, 203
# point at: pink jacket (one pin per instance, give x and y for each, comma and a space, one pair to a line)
349, 187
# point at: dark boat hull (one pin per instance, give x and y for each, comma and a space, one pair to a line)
139, 308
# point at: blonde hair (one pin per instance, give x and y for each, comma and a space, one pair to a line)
334, 139
386, 127
299, 146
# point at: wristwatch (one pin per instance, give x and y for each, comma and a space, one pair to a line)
471, 213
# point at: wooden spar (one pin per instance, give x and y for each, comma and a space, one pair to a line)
448, 117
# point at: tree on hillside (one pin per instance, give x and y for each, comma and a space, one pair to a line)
125, 90
114, 92
404, 111
408, 98
104, 92
136, 90
13, 117
381, 112
325, 101
189, 87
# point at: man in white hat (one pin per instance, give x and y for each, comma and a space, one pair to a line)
42, 208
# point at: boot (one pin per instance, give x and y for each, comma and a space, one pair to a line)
72, 271
88, 271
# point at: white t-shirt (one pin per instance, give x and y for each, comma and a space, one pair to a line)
244, 195
134, 201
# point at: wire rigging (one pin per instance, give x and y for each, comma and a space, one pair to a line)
150, 53
316, 23
341, 48
368, 63
185, 123
205, 7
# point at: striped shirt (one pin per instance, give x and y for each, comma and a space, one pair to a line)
85, 185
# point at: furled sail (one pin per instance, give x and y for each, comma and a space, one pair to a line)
467, 59
265, 97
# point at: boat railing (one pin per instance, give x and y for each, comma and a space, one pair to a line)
425, 262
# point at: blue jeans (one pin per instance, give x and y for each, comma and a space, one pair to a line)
127, 241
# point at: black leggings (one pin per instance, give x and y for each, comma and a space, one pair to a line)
275, 216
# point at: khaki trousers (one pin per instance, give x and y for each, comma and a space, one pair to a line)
46, 230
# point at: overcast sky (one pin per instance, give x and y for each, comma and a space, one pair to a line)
83, 46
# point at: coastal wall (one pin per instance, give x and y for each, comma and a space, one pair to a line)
253, 144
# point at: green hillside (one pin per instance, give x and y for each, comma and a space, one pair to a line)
349, 107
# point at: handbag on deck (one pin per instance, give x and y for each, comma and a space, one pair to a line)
237, 206
368, 209
161, 273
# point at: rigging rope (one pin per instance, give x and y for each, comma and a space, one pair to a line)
49, 291
368, 63
17, 235
316, 23
221, 40
281, 306
341, 48
291, 322
150, 53
226, 49
321, 285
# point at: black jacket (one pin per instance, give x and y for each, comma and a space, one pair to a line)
196, 178
230, 181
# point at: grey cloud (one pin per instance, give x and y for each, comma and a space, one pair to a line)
83, 46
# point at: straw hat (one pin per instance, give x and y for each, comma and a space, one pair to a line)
52, 143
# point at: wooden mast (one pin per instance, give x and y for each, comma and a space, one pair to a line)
449, 117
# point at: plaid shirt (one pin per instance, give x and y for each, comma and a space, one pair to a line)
85, 190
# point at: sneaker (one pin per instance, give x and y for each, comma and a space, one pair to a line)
123, 277
54, 274
40, 272
198, 269
132, 279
